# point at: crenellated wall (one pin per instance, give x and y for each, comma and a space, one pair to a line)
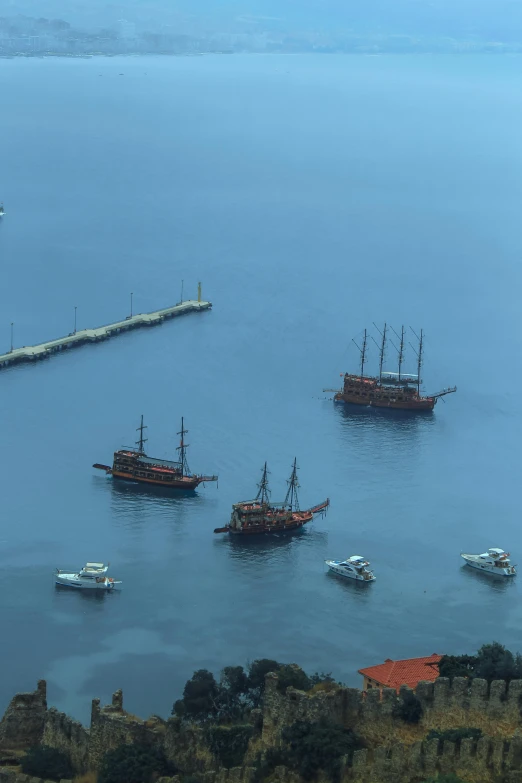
23, 722
495, 709
396, 752
62, 732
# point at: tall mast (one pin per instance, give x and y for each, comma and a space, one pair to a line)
263, 492
291, 499
381, 357
401, 351
363, 352
182, 448
419, 363
140, 443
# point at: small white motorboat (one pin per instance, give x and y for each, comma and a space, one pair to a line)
93, 576
355, 567
494, 561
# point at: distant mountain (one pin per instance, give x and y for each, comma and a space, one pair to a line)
487, 19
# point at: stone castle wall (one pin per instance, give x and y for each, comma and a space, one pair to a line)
396, 752
62, 732
495, 708
23, 722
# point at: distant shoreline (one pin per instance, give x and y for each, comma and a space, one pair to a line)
92, 55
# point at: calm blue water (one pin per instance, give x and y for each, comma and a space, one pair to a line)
311, 196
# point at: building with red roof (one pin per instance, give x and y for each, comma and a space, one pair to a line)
393, 674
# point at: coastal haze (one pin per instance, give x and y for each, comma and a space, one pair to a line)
79, 27
312, 196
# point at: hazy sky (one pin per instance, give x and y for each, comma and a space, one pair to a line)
491, 19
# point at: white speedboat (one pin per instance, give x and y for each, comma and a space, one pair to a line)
93, 576
2, 210
494, 561
355, 567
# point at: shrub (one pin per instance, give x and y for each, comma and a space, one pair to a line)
133, 764
408, 708
48, 763
316, 747
265, 763
455, 735
229, 743
445, 779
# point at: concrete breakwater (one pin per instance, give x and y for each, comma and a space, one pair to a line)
32, 353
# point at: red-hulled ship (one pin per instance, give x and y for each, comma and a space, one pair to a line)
396, 390
135, 465
259, 516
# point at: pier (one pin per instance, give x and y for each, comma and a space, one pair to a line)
33, 353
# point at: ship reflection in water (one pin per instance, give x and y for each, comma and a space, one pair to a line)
490, 581
64, 593
262, 547
388, 418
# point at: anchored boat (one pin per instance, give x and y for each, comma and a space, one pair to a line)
93, 576
2, 210
354, 567
134, 465
397, 390
260, 516
494, 561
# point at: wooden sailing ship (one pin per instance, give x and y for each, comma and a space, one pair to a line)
135, 465
260, 516
397, 390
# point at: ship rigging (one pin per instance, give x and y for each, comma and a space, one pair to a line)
261, 516
396, 390
133, 464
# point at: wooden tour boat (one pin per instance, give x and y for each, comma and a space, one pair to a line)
134, 465
396, 390
260, 516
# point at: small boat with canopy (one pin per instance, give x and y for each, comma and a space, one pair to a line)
354, 567
93, 576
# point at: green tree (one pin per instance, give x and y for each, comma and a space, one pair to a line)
494, 662
200, 697
48, 763
133, 764
293, 676
457, 666
257, 672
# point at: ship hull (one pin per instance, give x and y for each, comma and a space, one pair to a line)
266, 530
182, 483
405, 405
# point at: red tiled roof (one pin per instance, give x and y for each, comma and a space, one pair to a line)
393, 674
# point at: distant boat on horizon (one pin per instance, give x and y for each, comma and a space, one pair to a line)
2, 210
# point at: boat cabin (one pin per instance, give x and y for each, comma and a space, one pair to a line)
94, 570
496, 556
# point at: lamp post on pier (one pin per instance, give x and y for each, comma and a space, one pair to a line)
75, 308
12, 325
131, 304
